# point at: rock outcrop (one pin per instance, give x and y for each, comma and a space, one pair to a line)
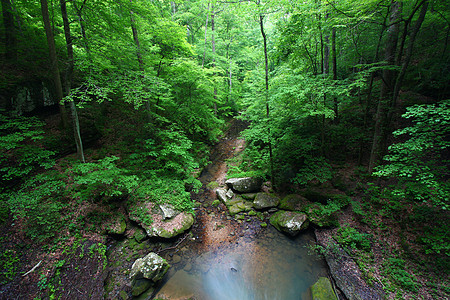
289, 221
265, 201
146, 271
244, 185
160, 220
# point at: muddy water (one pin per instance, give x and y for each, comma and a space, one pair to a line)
266, 266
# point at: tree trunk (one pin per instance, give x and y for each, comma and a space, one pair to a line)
387, 84
54, 62
334, 62
140, 59
266, 68
68, 82
206, 37
10, 31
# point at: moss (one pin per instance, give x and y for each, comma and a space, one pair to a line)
322, 290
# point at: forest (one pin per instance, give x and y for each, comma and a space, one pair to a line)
108, 107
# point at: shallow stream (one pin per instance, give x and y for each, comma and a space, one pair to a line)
269, 265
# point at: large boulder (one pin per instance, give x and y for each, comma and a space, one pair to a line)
156, 222
265, 201
293, 202
290, 222
323, 290
146, 271
244, 185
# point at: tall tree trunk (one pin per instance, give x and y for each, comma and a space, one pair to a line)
266, 68
326, 71
334, 63
68, 82
54, 62
206, 37
387, 84
79, 11
10, 31
140, 59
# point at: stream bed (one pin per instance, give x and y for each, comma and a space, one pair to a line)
268, 265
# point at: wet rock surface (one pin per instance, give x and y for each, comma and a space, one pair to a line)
290, 222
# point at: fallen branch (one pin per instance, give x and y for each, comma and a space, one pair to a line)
32, 269
169, 248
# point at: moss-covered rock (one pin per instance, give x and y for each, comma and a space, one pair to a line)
323, 290
152, 267
249, 196
140, 286
293, 202
265, 201
216, 203
289, 221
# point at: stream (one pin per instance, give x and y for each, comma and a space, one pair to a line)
238, 259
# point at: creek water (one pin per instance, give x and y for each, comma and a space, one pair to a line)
269, 265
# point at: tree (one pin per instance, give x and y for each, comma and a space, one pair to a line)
54, 62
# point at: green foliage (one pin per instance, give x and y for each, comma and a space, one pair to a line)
9, 265
420, 163
350, 237
38, 204
101, 179
23, 152
395, 269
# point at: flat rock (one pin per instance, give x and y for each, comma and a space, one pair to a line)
265, 201
289, 221
293, 202
244, 185
323, 290
345, 271
152, 267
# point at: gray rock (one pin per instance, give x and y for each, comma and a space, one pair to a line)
230, 194
222, 195
323, 290
289, 222
245, 185
152, 219
168, 211
152, 267
264, 201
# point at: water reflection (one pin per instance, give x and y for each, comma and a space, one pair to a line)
271, 266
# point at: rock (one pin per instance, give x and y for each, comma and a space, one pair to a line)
240, 217
263, 224
152, 220
152, 267
272, 210
244, 185
140, 286
168, 211
345, 271
216, 203
140, 235
188, 267
249, 196
252, 213
289, 222
323, 290
235, 209
264, 200
147, 295
222, 195
229, 194
293, 202
176, 259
